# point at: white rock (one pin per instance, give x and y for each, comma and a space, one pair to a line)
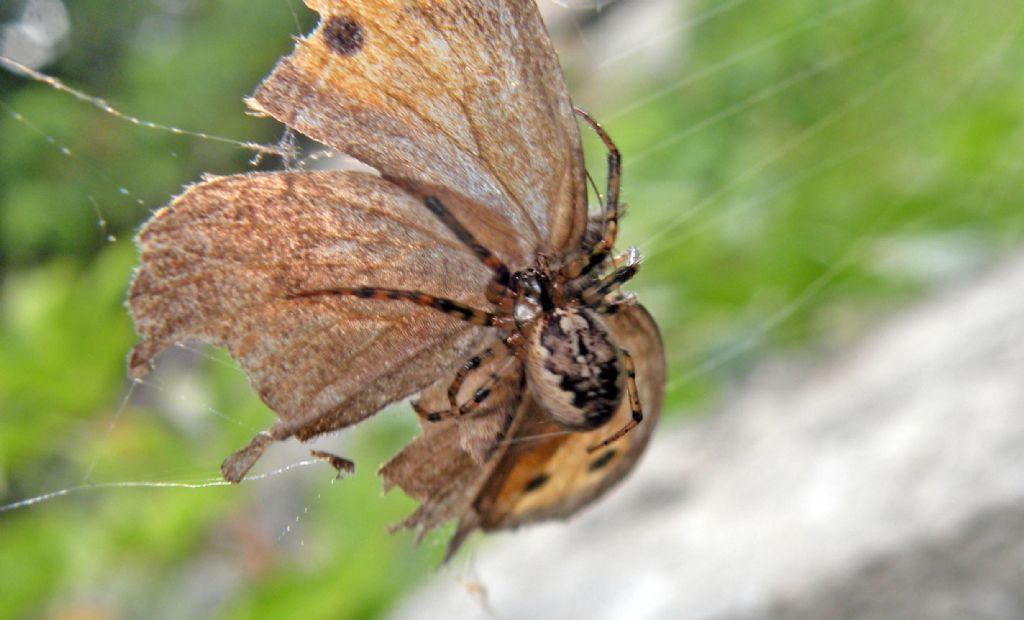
910, 446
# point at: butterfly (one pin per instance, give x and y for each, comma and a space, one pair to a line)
465, 271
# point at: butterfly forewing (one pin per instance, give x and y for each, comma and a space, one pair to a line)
220, 263
459, 94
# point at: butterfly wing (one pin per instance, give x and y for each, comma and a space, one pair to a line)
459, 94
554, 477
539, 471
445, 466
219, 263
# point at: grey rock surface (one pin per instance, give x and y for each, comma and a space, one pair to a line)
887, 482
977, 572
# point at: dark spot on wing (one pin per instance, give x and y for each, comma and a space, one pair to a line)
344, 35
602, 460
536, 482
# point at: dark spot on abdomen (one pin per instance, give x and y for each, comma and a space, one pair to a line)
536, 482
344, 35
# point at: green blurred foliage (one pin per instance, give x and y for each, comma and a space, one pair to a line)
797, 169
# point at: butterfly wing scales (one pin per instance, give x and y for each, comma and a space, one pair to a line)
398, 84
220, 262
504, 492
555, 477
459, 94
445, 465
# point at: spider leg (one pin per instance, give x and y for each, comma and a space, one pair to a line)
510, 343
593, 294
613, 303
498, 287
587, 282
441, 304
470, 405
629, 256
602, 248
467, 368
634, 404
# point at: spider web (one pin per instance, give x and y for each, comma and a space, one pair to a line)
795, 171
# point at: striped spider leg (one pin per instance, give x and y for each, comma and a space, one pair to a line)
498, 293
510, 343
549, 316
610, 226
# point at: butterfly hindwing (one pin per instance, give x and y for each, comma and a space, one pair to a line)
539, 471
444, 467
553, 477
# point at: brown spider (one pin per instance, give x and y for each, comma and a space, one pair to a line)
550, 316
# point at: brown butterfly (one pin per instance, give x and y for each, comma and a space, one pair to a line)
468, 271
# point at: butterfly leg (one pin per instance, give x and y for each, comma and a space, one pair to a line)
634, 404
441, 304
340, 464
602, 248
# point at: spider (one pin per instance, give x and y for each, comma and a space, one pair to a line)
549, 315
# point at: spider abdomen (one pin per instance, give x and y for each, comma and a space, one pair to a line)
574, 368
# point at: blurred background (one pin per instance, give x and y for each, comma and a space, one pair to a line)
796, 171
